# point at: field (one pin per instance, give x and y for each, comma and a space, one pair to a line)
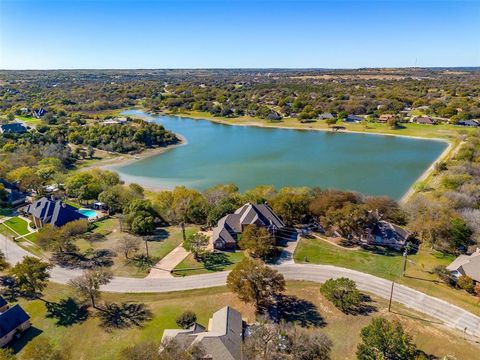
87, 340
419, 273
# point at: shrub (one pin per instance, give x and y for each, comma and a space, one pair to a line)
466, 283
444, 275
186, 319
343, 293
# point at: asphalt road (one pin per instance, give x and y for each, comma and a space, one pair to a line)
437, 309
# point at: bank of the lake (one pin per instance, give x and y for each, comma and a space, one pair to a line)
249, 155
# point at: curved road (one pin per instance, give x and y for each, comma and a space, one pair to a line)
441, 310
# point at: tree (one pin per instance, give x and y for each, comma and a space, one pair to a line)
196, 243
41, 348
141, 351
343, 293
255, 282
331, 121
172, 349
128, 244
31, 275
88, 284
186, 319
291, 204
387, 340
3, 262
392, 123
309, 346
466, 283
258, 241
142, 224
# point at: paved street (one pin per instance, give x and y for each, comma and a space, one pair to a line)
443, 311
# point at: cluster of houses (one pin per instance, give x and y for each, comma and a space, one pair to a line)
13, 322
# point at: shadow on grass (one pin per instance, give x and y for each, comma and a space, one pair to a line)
301, 312
124, 315
366, 306
10, 290
423, 279
215, 261
25, 338
418, 318
67, 312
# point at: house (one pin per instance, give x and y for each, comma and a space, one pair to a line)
466, 265
13, 128
12, 195
53, 212
384, 233
470, 123
120, 121
228, 227
12, 322
38, 113
325, 116
221, 341
353, 119
424, 120
385, 117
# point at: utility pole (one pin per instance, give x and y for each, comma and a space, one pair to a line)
183, 231
146, 244
405, 255
391, 296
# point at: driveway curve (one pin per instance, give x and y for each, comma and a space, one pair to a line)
444, 312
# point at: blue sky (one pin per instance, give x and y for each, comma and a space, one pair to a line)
212, 34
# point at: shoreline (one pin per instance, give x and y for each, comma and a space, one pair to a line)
115, 163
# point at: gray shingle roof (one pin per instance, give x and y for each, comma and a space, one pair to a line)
54, 212
467, 265
11, 319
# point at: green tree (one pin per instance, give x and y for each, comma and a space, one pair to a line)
196, 243
31, 275
258, 241
6, 354
343, 293
142, 351
255, 282
291, 204
331, 121
3, 262
385, 340
186, 319
466, 283
142, 224
88, 284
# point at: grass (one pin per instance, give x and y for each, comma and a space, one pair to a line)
18, 225
29, 120
165, 241
419, 273
74, 204
218, 262
87, 340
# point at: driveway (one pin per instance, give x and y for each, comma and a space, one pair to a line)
437, 309
162, 269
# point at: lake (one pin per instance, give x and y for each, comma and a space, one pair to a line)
249, 156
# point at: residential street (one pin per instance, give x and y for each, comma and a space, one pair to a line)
446, 313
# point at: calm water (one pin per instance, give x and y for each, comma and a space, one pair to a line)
248, 156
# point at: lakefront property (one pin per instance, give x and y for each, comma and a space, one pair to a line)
239, 180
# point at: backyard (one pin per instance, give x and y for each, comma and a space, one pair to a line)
419, 274
86, 339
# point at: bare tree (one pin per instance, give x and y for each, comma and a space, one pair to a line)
129, 244
88, 284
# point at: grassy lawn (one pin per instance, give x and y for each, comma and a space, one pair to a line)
219, 261
87, 340
18, 225
29, 120
71, 203
165, 241
419, 268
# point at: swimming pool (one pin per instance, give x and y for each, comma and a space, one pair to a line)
88, 213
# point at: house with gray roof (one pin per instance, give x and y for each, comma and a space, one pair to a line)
53, 212
222, 340
466, 265
12, 195
325, 116
228, 227
384, 233
13, 321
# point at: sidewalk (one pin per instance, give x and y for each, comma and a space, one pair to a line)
162, 269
